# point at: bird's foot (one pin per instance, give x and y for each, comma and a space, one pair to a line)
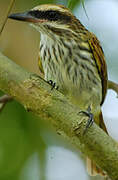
90, 120
53, 84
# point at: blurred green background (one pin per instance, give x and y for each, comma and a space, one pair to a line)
29, 150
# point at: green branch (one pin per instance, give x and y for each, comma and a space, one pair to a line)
36, 96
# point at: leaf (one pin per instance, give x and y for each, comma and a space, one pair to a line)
72, 3
83, 4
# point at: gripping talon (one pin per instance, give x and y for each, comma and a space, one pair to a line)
90, 120
53, 84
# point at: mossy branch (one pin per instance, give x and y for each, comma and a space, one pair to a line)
36, 96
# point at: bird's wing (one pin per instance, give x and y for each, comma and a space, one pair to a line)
100, 62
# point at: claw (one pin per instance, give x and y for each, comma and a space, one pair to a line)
53, 84
90, 120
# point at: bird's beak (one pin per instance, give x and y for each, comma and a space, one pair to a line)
23, 17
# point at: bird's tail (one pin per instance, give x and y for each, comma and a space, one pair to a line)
92, 168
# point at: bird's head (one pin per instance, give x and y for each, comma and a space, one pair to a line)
49, 18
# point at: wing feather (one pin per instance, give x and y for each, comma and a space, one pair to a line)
100, 62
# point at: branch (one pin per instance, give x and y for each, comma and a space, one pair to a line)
112, 85
36, 96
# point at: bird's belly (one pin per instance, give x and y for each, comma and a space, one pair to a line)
80, 82
83, 96
81, 91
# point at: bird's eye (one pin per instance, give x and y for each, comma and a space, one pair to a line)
35, 13
52, 15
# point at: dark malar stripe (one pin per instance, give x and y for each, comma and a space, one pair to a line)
54, 30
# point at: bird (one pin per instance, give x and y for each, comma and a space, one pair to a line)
72, 59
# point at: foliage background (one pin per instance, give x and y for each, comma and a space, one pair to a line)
30, 149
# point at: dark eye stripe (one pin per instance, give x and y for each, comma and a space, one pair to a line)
50, 15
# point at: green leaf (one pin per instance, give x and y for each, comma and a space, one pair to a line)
72, 3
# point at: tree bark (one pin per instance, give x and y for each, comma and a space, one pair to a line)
36, 96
